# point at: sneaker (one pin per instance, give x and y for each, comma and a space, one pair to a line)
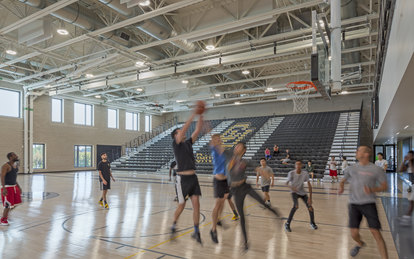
173, 232
101, 203
197, 237
219, 223
355, 250
405, 220
106, 206
213, 235
313, 226
287, 227
176, 198
267, 203
245, 247
4, 222
235, 217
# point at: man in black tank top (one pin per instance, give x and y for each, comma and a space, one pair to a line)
10, 189
187, 181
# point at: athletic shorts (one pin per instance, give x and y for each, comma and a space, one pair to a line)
220, 188
369, 211
333, 172
265, 188
13, 196
187, 186
103, 186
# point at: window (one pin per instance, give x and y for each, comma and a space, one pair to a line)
57, 110
131, 121
38, 156
112, 118
9, 103
148, 123
83, 114
83, 156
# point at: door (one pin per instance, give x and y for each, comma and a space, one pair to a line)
113, 152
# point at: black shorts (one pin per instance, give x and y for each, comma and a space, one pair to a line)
103, 186
265, 188
187, 186
369, 211
220, 188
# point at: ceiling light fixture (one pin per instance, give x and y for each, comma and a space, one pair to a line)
98, 96
62, 31
269, 89
210, 47
140, 89
184, 81
245, 72
236, 103
180, 101
217, 95
145, 3
140, 63
344, 92
406, 127
329, 58
11, 52
89, 75
284, 99
398, 133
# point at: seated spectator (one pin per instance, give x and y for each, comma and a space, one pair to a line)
275, 150
267, 154
285, 160
309, 168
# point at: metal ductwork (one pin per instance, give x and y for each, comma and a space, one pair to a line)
349, 10
157, 28
81, 17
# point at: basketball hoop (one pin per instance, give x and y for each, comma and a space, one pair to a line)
299, 91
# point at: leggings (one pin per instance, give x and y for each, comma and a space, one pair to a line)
239, 193
295, 198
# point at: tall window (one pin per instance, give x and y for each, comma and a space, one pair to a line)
131, 121
83, 114
83, 156
38, 156
57, 110
9, 103
112, 118
148, 123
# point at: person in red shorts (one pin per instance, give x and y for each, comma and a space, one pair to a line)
333, 170
10, 189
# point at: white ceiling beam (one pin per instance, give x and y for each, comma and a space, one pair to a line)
37, 15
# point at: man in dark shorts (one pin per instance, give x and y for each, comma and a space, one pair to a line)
173, 170
267, 178
105, 175
296, 179
10, 189
187, 181
365, 180
237, 177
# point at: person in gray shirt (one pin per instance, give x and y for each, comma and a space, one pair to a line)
295, 181
236, 168
267, 178
365, 179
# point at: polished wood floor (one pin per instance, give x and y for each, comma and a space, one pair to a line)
61, 218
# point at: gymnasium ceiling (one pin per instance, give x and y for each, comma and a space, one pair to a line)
161, 57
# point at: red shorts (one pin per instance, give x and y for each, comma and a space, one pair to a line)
13, 196
333, 172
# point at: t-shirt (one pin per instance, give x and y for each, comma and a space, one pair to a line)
344, 165
332, 165
236, 169
296, 180
381, 163
184, 155
105, 168
359, 176
309, 169
219, 161
266, 174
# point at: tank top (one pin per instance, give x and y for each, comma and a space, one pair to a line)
11, 176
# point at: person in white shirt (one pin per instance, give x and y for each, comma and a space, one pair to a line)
381, 162
344, 164
333, 171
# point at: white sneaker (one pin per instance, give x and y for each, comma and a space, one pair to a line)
405, 220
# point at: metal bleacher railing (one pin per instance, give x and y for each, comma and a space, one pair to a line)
132, 145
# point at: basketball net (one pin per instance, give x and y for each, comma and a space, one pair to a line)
300, 94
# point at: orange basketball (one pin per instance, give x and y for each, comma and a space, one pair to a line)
200, 107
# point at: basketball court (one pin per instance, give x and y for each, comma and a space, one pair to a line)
81, 79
